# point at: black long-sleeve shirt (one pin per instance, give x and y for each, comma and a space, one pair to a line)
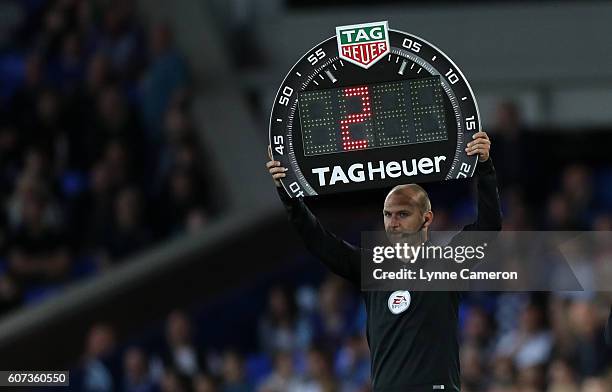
415, 350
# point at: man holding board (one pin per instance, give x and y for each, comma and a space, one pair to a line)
412, 335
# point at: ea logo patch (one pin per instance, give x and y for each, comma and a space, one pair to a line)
399, 301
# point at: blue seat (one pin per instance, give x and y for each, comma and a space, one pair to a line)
83, 267
257, 366
73, 183
38, 293
602, 186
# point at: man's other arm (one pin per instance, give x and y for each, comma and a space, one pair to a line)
338, 255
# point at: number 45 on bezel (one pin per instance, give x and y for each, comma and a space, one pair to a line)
279, 144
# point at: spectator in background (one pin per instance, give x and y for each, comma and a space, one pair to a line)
509, 149
27, 185
10, 155
92, 213
121, 39
35, 179
196, 220
278, 328
179, 153
353, 364
443, 221
532, 378
26, 96
128, 234
56, 23
531, 344
99, 373
504, 371
234, 379
178, 134
38, 252
174, 381
559, 215
477, 330
332, 322
48, 131
517, 215
114, 117
204, 383
10, 295
319, 375
166, 74
82, 102
283, 376
36, 164
187, 157
561, 326
84, 20
595, 384
117, 157
181, 196
561, 377
577, 186
98, 75
136, 371
602, 222
472, 368
180, 352
70, 65
590, 354
115, 122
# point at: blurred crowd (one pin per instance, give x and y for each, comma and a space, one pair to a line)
575, 196
98, 155
311, 339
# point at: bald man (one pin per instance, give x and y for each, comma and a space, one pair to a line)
414, 347
407, 210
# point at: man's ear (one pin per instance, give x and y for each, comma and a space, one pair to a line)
428, 218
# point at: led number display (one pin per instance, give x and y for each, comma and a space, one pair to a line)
372, 116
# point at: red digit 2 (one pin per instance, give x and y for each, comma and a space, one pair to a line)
347, 141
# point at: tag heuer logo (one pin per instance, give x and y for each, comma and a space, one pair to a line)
363, 44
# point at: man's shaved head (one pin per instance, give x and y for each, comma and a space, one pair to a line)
407, 211
411, 194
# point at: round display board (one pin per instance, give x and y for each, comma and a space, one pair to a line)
372, 107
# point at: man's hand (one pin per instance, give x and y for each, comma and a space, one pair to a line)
481, 145
275, 169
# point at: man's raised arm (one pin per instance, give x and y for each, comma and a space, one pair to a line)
489, 207
489, 219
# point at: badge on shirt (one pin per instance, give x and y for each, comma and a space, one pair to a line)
399, 301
